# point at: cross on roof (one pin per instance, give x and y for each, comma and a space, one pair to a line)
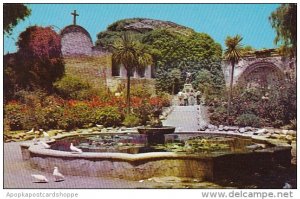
74, 16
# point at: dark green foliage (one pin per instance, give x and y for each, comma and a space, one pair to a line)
284, 21
14, 115
248, 120
13, 13
70, 87
185, 53
218, 115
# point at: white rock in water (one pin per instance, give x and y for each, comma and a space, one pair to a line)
255, 146
202, 128
226, 128
242, 130
31, 131
261, 131
248, 128
100, 126
292, 133
289, 137
40, 178
210, 126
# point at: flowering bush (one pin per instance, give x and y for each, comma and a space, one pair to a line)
258, 107
52, 112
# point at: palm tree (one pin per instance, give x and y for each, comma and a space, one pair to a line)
232, 54
133, 56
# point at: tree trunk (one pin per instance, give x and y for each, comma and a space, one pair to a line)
230, 92
128, 92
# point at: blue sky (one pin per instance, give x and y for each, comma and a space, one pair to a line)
218, 20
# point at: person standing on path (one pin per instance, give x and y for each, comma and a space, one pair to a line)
191, 98
180, 98
198, 97
185, 99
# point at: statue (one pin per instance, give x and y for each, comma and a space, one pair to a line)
188, 78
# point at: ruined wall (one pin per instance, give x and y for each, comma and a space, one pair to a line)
275, 66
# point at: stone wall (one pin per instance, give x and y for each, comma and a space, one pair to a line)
115, 82
138, 170
76, 43
276, 65
157, 164
94, 69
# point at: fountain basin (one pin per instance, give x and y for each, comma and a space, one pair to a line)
156, 135
203, 166
156, 130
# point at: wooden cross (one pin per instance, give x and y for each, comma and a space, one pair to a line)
75, 15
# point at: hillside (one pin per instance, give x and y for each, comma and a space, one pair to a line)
143, 25
139, 26
173, 47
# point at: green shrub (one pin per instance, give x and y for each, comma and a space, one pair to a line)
131, 120
107, 116
71, 87
140, 91
248, 120
218, 115
82, 114
52, 115
14, 116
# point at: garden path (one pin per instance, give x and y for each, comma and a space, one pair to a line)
186, 118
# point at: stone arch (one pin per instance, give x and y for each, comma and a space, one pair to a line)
263, 74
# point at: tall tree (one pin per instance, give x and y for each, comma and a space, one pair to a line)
284, 21
13, 13
132, 55
40, 61
232, 55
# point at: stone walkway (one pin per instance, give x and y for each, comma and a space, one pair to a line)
186, 118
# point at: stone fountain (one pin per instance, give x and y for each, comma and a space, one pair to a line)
156, 132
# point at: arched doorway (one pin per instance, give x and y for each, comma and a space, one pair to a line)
262, 74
